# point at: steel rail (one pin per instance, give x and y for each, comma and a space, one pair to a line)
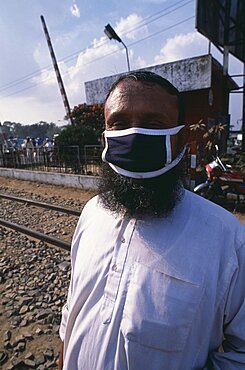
36, 234
70, 211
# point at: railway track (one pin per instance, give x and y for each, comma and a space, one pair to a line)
34, 274
33, 233
69, 211
36, 234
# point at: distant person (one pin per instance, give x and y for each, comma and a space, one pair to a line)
38, 149
158, 273
48, 147
29, 150
34, 142
39, 141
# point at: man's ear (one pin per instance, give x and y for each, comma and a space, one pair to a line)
183, 137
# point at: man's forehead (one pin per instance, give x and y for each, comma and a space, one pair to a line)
137, 102
130, 85
131, 91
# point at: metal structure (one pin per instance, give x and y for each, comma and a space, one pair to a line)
223, 23
36, 234
69, 211
3, 140
66, 159
243, 115
111, 33
57, 72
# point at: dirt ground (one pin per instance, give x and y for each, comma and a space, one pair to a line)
47, 189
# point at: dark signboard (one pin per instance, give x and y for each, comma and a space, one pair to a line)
223, 23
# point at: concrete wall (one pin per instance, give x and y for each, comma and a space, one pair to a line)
74, 181
186, 75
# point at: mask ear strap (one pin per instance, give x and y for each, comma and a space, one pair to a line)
105, 149
168, 149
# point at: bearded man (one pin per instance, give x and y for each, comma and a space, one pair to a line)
157, 272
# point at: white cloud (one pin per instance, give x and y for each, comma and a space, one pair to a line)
103, 58
194, 44
125, 25
140, 63
37, 110
75, 10
154, 1
96, 61
41, 54
182, 46
99, 49
47, 76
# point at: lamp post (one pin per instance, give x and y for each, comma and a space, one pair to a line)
111, 33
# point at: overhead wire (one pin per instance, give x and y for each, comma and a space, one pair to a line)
163, 30
72, 56
139, 25
101, 57
75, 54
160, 16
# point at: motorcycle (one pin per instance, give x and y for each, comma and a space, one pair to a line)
222, 183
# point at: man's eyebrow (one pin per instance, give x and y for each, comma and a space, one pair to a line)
154, 115
146, 116
117, 116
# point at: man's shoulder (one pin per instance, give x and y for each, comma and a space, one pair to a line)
91, 205
94, 208
206, 208
213, 215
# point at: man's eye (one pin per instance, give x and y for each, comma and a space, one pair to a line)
156, 124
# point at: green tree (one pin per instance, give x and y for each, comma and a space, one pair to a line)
41, 129
210, 135
91, 116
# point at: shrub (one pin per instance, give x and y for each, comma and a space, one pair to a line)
90, 116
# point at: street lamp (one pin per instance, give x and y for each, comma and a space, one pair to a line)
111, 33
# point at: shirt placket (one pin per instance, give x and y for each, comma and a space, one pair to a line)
117, 268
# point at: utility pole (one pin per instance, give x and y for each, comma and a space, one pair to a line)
225, 110
57, 72
243, 109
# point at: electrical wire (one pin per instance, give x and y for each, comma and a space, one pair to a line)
72, 56
75, 54
102, 57
160, 16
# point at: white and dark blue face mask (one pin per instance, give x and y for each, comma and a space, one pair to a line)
139, 152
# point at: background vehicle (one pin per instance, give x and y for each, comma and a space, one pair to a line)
223, 182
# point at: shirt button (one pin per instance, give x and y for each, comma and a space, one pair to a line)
114, 267
123, 240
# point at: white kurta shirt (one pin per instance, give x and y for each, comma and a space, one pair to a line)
156, 293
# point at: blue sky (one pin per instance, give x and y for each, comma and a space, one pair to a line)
155, 31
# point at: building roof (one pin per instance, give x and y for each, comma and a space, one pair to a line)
186, 75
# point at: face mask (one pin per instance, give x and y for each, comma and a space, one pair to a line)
140, 152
